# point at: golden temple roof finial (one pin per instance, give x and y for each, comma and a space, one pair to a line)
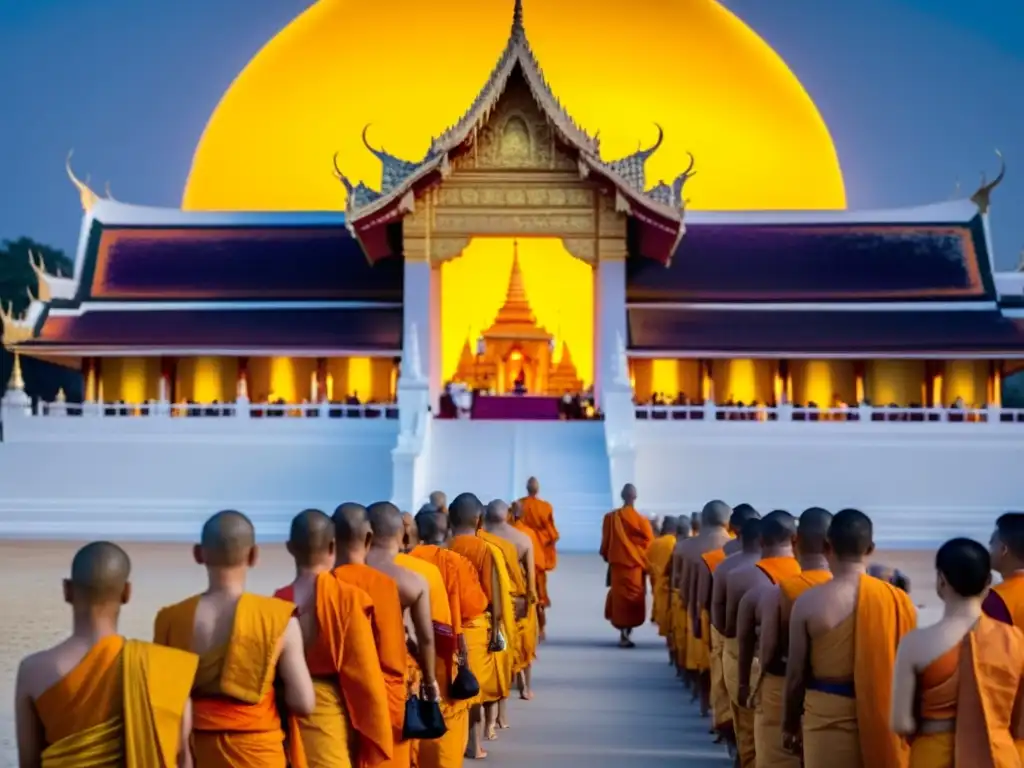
15, 329
88, 197
518, 30
983, 196
16, 382
42, 281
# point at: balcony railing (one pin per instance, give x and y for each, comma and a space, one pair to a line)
158, 410
863, 413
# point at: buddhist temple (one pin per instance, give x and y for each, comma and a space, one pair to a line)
845, 318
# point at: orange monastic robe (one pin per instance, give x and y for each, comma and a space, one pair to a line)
120, 706
540, 516
720, 707
466, 600
846, 714
389, 637
659, 556
488, 667
350, 725
625, 537
1005, 601
980, 697
235, 719
526, 627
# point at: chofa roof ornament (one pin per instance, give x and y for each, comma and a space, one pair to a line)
983, 196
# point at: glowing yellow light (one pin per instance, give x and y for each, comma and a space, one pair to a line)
360, 378
282, 379
965, 379
896, 381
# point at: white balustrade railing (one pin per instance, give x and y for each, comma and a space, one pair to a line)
243, 410
711, 411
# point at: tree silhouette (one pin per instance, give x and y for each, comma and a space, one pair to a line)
17, 279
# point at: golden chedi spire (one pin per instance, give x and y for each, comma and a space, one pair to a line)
515, 315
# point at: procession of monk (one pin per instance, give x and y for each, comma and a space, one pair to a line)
397, 644
802, 653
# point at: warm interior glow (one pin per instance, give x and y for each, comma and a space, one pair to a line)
207, 379
895, 381
966, 379
759, 141
743, 381
559, 286
821, 381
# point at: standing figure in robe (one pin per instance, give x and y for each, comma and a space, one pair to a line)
467, 603
410, 538
843, 636
486, 635
352, 540
773, 616
707, 552
248, 646
540, 516
1005, 601
659, 558
741, 718
717, 566
625, 537
350, 726
522, 579
516, 518
957, 689
439, 501
95, 698
679, 624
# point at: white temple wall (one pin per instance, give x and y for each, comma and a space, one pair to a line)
123, 478
921, 483
610, 318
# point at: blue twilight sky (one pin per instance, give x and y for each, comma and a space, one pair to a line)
917, 93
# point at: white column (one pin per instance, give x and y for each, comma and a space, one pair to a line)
610, 320
417, 305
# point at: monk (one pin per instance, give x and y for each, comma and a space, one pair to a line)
843, 636
247, 645
96, 698
439, 501
522, 576
719, 696
539, 565
353, 538
745, 558
659, 558
625, 537
957, 709
679, 624
467, 603
350, 725
740, 514
486, 637
695, 523
409, 537
1005, 601
773, 615
539, 515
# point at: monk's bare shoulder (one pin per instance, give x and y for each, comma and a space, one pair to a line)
40, 671
410, 584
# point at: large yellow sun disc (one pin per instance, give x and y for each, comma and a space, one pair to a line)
412, 68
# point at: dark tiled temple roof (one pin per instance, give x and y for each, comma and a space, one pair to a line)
336, 329
234, 263
767, 332
735, 262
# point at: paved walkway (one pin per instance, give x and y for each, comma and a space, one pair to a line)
597, 705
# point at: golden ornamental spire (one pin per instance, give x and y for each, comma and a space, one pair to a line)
983, 196
87, 196
15, 329
16, 382
42, 279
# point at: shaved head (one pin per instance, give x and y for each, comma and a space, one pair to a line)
668, 525
351, 524
311, 537
740, 514
751, 535
515, 510
409, 536
496, 512
532, 486
431, 525
628, 494
228, 540
778, 528
385, 522
465, 511
683, 527
99, 575
812, 531
716, 514
439, 500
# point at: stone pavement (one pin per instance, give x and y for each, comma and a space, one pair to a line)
596, 705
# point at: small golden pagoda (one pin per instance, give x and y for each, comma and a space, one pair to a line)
516, 348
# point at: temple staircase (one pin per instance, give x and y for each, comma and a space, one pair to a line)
493, 459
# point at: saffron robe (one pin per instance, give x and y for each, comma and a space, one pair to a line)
525, 627
720, 708
533, 632
659, 556
852, 729
466, 601
121, 706
625, 538
235, 719
350, 724
493, 670
539, 515
388, 624
1005, 601
742, 715
979, 695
